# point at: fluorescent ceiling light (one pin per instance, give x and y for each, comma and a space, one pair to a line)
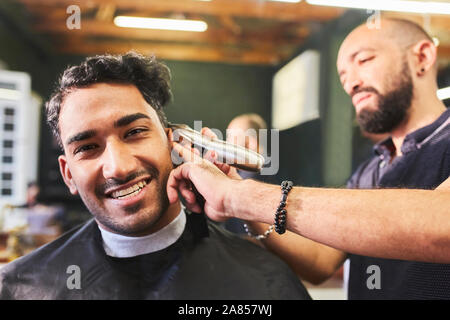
422, 7
160, 24
9, 94
443, 93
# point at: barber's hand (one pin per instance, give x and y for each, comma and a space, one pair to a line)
210, 182
211, 156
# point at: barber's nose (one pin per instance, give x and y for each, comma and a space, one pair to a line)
353, 83
118, 161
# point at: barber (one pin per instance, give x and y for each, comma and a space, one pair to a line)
390, 73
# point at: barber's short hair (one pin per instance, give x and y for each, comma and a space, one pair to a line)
403, 31
151, 77
407, 30
253, 120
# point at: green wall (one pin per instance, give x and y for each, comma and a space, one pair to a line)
215, 93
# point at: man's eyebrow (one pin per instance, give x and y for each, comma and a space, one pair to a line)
81, 136
352, 57
126, 120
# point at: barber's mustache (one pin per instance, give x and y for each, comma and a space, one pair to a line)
364, 89
115, 182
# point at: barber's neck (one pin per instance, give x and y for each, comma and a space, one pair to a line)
425, 109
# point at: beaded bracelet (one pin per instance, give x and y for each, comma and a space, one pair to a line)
259, 236
280, 215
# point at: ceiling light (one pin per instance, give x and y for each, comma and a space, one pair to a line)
422, 7
160, 24
443, 93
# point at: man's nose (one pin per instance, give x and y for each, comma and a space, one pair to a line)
353, 83
118, 161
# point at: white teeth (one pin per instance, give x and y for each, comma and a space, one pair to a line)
129, 192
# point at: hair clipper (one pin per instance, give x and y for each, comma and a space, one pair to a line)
228, 153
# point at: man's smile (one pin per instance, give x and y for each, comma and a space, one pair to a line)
130, 193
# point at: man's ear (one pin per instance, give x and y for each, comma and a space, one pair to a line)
66, 174
169, 134
424, 55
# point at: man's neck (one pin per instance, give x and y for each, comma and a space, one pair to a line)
166, 217
124, 246
421, 114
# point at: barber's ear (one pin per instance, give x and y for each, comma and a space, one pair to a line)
67, 175
424, 55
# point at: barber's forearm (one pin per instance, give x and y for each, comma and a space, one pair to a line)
382, 223
397, 224
252, 200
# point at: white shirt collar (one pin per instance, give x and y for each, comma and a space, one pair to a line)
120, 246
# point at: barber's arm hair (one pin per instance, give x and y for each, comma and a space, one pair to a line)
391, 223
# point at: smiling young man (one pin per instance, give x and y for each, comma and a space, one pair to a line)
107, 116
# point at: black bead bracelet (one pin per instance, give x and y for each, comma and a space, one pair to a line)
280, 215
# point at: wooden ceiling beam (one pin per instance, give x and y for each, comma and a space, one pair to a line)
294, 12
444, 52
176, 52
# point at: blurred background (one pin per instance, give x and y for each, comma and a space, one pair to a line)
273, 58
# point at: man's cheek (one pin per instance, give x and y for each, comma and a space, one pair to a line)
82, 182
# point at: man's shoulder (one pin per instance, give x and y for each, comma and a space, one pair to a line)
249, 254
242, 269
42, 274
42, 257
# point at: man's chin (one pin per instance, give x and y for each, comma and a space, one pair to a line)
370, 105
132, 224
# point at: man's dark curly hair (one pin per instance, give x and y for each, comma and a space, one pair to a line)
151, 77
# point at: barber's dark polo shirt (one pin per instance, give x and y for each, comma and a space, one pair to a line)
425, 164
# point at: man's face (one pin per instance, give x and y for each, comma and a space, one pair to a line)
376, 75
116, 156
240, 133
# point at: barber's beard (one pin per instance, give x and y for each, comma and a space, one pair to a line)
392, 107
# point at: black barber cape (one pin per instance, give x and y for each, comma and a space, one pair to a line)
207, 262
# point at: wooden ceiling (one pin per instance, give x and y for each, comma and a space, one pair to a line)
239, 31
